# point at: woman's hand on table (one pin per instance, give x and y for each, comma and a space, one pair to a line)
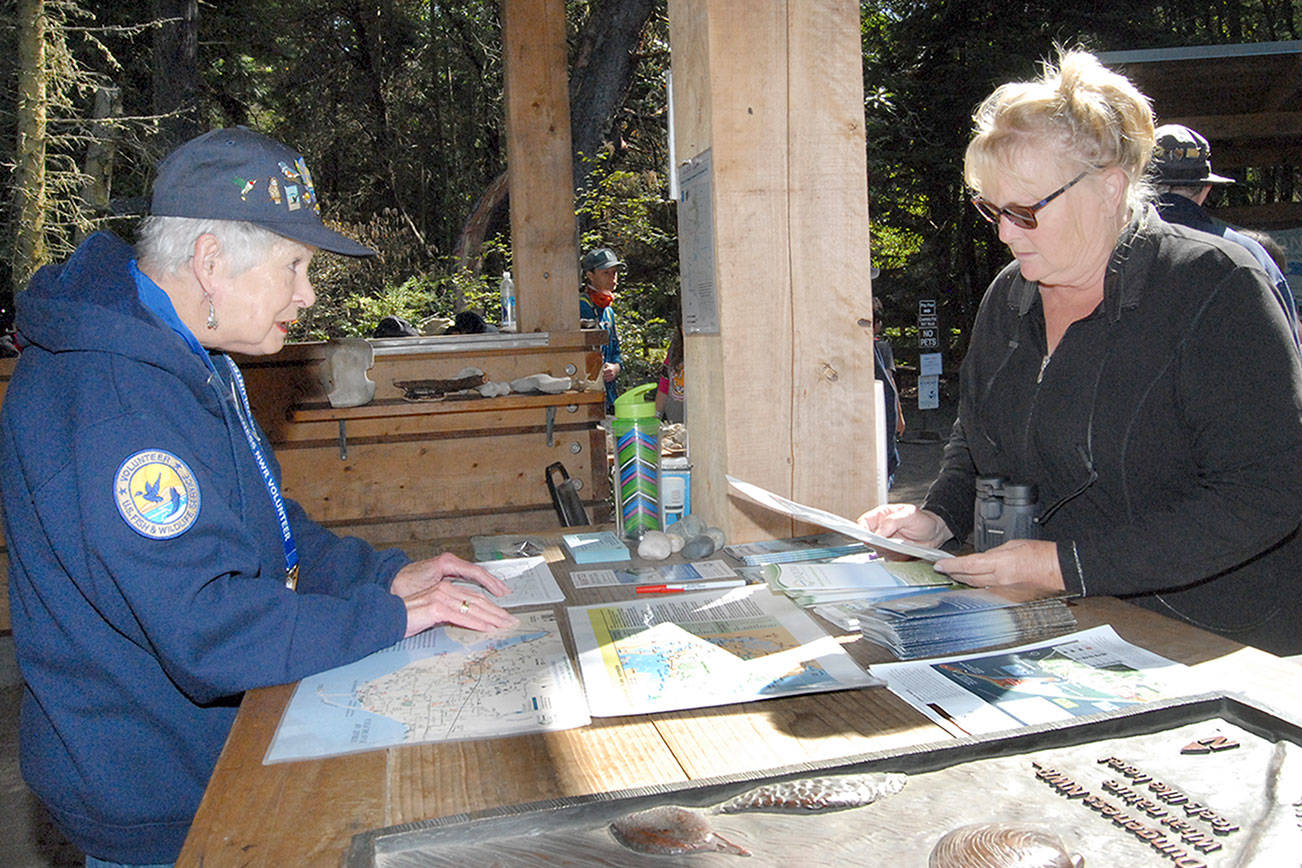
906, 522
1017, 562
427, 588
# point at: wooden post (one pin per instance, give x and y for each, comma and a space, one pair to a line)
781, 396
544, 235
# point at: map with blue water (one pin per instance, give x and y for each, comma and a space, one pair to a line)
445, 684
698, 649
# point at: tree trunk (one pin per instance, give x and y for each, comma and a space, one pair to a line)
100, 152
603, 72
29, 174
176, 70
474, 231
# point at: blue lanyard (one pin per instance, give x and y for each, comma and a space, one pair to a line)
291, 553
157, 301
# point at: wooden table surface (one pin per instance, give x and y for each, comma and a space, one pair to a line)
306, 813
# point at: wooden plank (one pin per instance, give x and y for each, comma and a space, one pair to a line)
406, 533
729, 101
438, 780
317, 411
834, 418
486, 418
544, 236
395, 480
782, 397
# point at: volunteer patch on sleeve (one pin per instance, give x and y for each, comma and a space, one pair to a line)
157, 494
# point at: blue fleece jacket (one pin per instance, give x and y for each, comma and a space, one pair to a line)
136, 644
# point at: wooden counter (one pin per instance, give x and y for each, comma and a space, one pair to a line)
305, 813
395, 471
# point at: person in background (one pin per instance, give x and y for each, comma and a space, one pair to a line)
1139, 373
600, 269
155, 570
884, 370
671, 390
1182, 172
1271, 246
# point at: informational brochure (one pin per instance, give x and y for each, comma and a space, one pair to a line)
818, 547
831, 521
1082, 673
668, 653
530, 581
693, 572
868, 582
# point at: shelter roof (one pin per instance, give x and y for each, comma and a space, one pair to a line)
1245, 98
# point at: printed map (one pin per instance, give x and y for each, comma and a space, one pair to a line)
441, 685
709, 648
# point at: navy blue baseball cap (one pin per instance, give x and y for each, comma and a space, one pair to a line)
237, 174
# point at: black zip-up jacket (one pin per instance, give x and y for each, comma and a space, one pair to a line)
1166, 429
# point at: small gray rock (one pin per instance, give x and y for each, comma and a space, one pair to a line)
716, 534
698, 547
655, 546
688, 526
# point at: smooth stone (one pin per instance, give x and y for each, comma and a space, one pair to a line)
688, 527
716, 534
676, 542
698, 547
655, 546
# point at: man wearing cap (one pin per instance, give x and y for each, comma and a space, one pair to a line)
1182, 173
601, 275
155, 570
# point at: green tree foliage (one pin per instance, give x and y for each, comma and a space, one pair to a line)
398, 105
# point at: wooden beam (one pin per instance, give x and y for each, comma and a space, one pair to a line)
781, 396
1249, 125
1273, 215
544, 235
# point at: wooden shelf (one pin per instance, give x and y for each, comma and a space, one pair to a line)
321, 411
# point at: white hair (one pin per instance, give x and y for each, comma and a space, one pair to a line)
167, 243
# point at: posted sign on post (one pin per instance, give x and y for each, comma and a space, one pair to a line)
928, 355
928, 325
929, 371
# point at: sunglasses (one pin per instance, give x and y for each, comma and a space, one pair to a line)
1021, 215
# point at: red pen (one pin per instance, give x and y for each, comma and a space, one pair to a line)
693, 586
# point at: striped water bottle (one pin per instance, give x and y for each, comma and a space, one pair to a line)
637, 460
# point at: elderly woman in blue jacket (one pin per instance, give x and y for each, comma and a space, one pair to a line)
156, 572
1140, 374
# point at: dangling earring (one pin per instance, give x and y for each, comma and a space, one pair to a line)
212, 312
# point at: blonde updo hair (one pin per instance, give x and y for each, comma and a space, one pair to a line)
1087, 112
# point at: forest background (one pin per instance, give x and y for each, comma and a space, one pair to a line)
397, 105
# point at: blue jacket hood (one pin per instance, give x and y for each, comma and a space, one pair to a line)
89, 303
